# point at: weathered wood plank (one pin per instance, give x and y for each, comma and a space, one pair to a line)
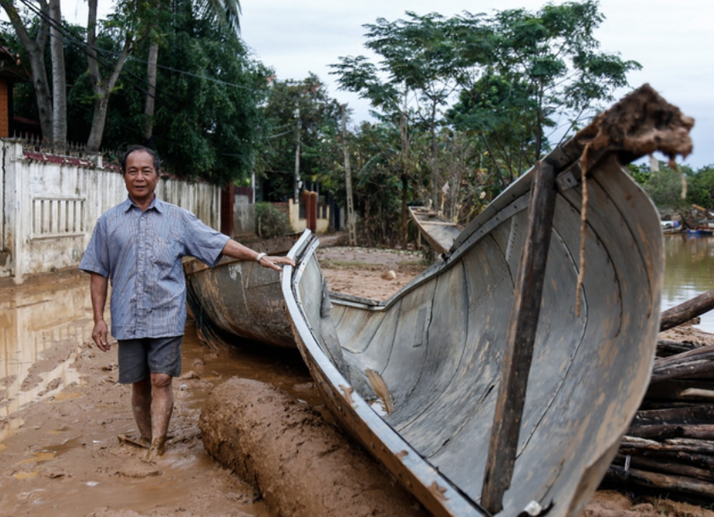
519, 342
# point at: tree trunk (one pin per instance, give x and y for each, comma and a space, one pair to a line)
404, 137
405, 221
36, 51
59, 82
434, 159
102, 87
150, 104
99, 118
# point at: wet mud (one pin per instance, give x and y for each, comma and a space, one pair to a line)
303, 466
62, 410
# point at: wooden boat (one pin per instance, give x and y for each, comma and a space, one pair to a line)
417, 379
240, 300
438, 231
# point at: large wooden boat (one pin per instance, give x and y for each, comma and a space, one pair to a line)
417, 379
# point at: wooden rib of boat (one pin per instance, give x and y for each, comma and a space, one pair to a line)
240, 300
438, 231
416, 378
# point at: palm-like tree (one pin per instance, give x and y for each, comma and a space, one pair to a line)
225, 12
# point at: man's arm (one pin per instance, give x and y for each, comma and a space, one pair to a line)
238, 251
98, 291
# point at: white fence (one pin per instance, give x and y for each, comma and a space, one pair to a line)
50, 205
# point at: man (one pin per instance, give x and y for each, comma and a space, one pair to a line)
138, 246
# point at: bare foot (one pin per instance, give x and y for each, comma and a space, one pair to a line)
157, 449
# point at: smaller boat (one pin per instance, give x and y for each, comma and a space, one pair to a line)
700, 231
238, 300
438, 231
671, 227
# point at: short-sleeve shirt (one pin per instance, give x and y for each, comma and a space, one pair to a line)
140, 253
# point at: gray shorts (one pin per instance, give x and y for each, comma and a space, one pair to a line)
140, 357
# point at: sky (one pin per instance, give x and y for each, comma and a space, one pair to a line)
673, 41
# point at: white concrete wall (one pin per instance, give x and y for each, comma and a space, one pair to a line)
50, 205
243, 216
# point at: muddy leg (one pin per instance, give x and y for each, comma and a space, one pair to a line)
162, 405
141, 406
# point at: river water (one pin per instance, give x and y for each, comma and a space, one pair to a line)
689, 271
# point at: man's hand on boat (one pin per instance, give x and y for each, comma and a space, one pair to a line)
274, 262
238, 251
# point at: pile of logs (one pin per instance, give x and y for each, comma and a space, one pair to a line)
670, 443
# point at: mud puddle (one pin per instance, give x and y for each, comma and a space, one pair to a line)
61, 411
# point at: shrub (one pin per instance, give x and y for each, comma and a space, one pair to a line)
270, 222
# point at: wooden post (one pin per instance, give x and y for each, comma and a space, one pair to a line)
351, 230
519, 342
227, 201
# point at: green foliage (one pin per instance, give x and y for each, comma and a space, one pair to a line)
207, 120
641, 173
666, 186
270, 222
517, 75
377, 184
700, 189
544, 71
319, 123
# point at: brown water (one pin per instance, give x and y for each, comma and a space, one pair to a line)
42, 325
689, 271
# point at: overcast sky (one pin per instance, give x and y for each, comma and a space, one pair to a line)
673, 40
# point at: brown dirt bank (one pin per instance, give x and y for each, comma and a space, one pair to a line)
303, 466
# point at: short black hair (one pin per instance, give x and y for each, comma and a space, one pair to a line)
131, 149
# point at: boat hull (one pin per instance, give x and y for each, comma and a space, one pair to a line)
436, 349
240, 301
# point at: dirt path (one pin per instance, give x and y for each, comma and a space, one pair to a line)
61, 408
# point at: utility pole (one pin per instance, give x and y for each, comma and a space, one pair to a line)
296, 182
351, 230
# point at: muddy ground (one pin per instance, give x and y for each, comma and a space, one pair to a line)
61, 409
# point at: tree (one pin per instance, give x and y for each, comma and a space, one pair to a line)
665, 188
300, 117
418, 59
377, 185
543, 67
132, 23
224, 12
35, 49
701, 187
59, 80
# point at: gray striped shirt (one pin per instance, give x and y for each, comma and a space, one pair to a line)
141, 254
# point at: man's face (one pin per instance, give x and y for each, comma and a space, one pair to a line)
140, 177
